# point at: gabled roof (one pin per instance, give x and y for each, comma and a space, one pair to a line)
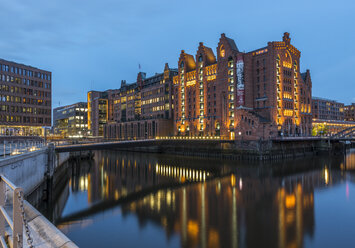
261, 118
211, 59
304, 76
250, 110
232, 44
190, 62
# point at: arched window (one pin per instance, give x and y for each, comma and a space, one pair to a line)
182, 64
222, 51
230, 61
217, 126
200, 58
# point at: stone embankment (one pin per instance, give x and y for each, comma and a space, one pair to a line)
30, 171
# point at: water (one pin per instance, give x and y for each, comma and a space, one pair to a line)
150, 200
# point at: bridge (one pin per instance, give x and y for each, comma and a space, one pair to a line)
347, 133
177, 141
160, 144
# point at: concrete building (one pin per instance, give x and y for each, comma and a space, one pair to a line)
349, 112
143, 109
25, 99
71, 121
326, 109
253, 95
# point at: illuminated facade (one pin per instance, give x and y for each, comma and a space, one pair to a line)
143, 109
331, 127
97, 112
259, 94
331, 117
349, 112
326, 109
25, 99
71, 120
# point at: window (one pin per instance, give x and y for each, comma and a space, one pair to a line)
222, 51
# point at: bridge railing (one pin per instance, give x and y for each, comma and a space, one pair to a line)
350, 131
11, 148
17, 221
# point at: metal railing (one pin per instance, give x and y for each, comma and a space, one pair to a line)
18, 221
15, 148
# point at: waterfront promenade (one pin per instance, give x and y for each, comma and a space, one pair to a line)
26, 169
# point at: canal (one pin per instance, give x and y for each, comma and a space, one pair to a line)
151, 200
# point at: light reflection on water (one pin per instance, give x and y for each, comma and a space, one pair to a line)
136, 200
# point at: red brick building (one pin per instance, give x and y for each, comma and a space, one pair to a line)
143, 109
259, 94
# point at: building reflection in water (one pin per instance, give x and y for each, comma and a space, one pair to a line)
209, 204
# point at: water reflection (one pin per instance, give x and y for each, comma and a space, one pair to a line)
162, 201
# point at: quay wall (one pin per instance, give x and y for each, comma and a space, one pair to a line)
245, 150
30, 170
33, 172
26, 170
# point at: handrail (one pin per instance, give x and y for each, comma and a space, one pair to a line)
15, 223
8, 182
2, 241
7, 217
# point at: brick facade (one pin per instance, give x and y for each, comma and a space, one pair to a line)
210, 91
142, 109
232, 94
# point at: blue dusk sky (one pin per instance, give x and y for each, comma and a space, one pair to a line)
93, 45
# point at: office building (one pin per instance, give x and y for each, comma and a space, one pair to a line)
326, 109
71, 121
25, 99
349, 112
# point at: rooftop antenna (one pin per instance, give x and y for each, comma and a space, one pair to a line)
139, 67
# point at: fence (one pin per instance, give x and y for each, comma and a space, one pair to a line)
17, 221
19, 147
